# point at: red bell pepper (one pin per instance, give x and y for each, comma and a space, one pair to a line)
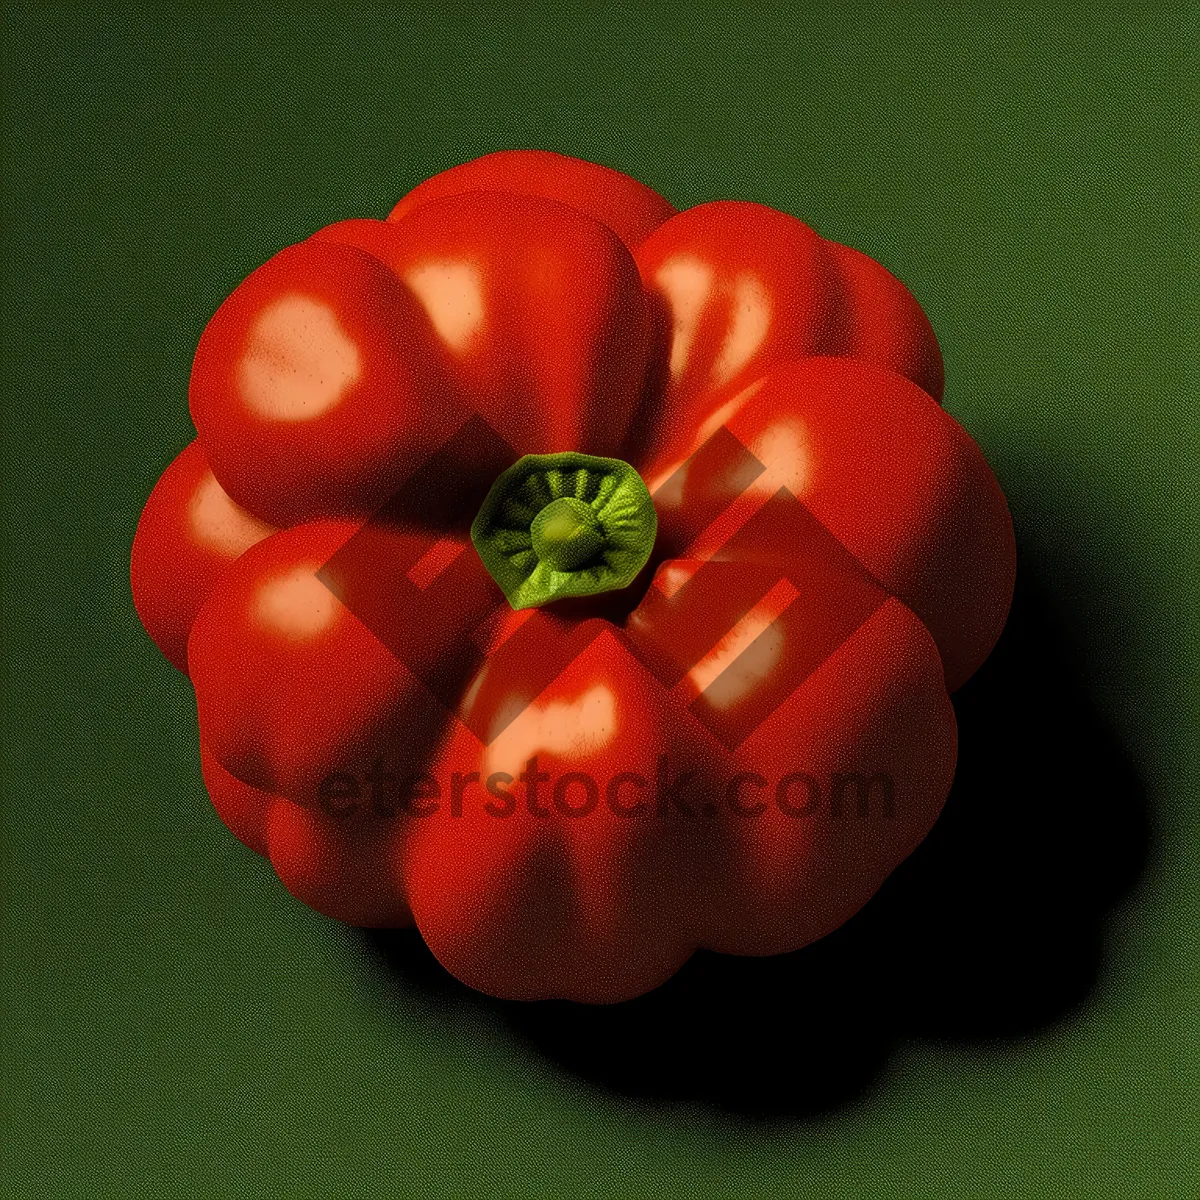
581, 581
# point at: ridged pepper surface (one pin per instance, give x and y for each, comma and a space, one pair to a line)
578, 579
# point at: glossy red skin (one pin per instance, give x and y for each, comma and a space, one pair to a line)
314, 388
896, 479
189, 532
743, 287
290, 684
561, 313
646, 892
339, 866
552, 363
244, 809
629, 208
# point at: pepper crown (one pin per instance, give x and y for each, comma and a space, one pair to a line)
569, 524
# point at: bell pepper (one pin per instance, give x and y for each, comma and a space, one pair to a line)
580, 581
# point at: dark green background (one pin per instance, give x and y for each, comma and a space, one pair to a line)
178, 1026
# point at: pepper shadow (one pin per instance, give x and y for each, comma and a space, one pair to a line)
991, 930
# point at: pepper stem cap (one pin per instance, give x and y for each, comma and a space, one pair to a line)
570, 524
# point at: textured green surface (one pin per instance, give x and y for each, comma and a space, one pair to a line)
177, 1026
571, 524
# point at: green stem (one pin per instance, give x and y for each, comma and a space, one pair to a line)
556, 525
